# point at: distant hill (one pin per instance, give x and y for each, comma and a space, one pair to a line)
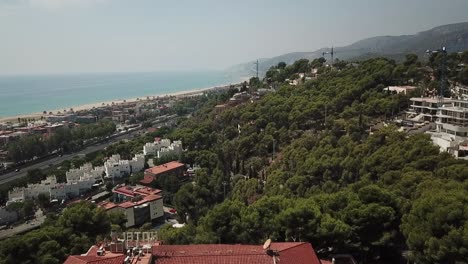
452, 36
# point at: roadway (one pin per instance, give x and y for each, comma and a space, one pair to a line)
57, 160
39, 218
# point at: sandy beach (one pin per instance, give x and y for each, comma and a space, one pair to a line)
116, 102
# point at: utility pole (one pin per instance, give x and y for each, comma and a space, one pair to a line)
332, 53
442, 69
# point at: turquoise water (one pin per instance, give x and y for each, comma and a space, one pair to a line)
31, 94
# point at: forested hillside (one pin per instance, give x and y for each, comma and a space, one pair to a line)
327, 181
300, 164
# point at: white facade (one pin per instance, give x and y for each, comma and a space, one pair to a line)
85, 171
152, 148
137, 163
452, 128
174, 149
163, 148
117, 168
425, 108
51, 188
156, 209
71, 189
401, 89
78, 182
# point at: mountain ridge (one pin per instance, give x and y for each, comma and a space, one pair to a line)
454, 36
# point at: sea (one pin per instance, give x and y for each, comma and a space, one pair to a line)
21, 95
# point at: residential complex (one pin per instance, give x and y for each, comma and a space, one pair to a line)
163, 148
451, 118
52, 189
85, 171
425, 108
117, 168
139, 204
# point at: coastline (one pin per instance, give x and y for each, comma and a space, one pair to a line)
116, 101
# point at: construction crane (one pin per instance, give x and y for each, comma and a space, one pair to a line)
256, 64
442, 69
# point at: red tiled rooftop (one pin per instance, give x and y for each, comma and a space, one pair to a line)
289, 253
135, 191
164, 167
91, 257
107, 205
129, 204
147, 191
147, 179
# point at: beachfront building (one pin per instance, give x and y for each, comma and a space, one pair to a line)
70, 117
139, 204
117, 168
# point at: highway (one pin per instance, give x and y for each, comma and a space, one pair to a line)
57, 160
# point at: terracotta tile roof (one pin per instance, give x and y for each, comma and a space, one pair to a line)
147, 179
289, 253
91, 257
164, 167
135, 191
148, 198
107, 205
94, 260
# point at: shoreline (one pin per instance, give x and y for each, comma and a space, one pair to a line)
88, 106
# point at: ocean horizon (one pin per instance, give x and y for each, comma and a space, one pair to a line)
27, 94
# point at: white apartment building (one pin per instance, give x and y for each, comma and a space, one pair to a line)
51, 188
453, 119
152, 148
425, 108
71, 189
117, 168
85, 171
451, 133
175, 149
163, 148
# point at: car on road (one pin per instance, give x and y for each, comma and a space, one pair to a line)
17, 170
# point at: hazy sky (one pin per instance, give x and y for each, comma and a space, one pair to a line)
56, 36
